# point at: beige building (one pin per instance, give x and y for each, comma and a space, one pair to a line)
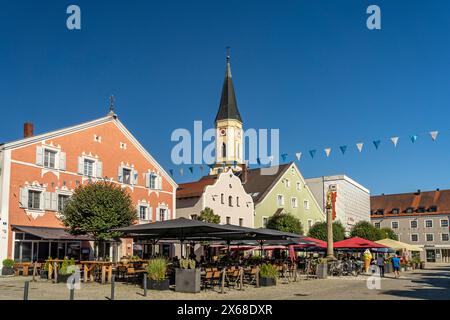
223, 193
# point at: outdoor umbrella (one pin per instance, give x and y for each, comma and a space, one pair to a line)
358, 244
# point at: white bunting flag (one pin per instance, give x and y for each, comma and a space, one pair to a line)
298, 155
360, 146
434, 135
271, 159
327, 151
394, 141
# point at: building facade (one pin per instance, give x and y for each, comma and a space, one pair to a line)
39, 173
284, 191
418, 218
352, 203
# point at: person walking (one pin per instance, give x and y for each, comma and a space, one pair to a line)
396, 265
380, 264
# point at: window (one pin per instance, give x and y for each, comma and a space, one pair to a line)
241, 222
428, 223
409, 210
162, 214
230, 201
49, 158
88, 167
414, 237
421, 209
224, 150
299, 186
126, 174
377, 225
413, 224
430, 237
288, 183
394, 224
265, 220
62, 201
306, 204
444, 223
153, 181
143, 212
237, 202
280, 200
432, 209
34, 200
396, 211
444, 237
294, 202
222, 198
310, 223
228, 220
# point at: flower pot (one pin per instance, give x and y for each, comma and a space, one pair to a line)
322, 271
158, 284
267, 282
44, 274
7, 271
187, 280
62, 278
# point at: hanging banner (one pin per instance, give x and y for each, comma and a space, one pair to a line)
312, 153
327, 151
298, 155
394, 141
434, 135
377, 143
343, 149
360, 146
414, 138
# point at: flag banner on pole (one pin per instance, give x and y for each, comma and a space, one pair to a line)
191, 169
377, 143
298, 155
414, 138
327, 151
394, 140
312, 153
360, 145
434, 135
343, 149
284, 156
171, 172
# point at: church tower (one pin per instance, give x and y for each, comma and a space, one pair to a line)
229, 133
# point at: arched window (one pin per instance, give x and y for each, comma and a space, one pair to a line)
230, 201
224, 150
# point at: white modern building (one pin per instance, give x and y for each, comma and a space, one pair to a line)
352, 199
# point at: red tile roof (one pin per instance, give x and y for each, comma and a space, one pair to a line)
195, 189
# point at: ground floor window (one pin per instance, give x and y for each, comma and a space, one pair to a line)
40, 250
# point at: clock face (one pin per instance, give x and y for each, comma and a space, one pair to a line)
223, 132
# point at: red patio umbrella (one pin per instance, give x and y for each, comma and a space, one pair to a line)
357, 243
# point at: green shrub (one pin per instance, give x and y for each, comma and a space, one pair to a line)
64, 269
268, 271
8, 263
187, 264
156, 269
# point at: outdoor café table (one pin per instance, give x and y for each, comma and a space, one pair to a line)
89, 267
25, 267
53, 267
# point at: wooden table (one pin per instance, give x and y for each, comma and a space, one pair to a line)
25, 266
89, 267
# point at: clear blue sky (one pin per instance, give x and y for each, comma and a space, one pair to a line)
310, 68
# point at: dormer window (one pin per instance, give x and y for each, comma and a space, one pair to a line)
432, 209
380, 211
409, 210
395, 211
421, 209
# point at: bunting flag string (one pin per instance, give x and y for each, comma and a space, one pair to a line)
360, 145
312, 153
191, 169
181, 171
434, 135
413, 138
171, 172
327, 151
343, 149
377, 143
298, 155
394, 140
284, 156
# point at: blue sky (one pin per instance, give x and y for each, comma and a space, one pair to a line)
310, 68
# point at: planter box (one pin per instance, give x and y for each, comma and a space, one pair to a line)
7, 271
44, 274
322, 271
62, 278
187, 280
267, 282
158, 285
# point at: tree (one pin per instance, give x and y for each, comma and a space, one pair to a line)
387, 233
285, 222
97, 208
366, 230
319, 231
207, 215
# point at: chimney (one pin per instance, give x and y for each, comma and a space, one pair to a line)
28, 129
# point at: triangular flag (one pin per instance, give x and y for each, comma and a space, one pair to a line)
312, 153
376, 143
343, 149
258, 160
298, 155
234, 164
201, 168
171, 172
434, 135
414, 138
360, 146
327, 151
394, 141
284, 156
191, 169
181, 171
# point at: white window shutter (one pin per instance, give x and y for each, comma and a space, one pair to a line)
23, 197
39, 156
47, 200
80, 165
157, 214
168, 214
99, 169
136, 177
62, 161
147, 180
150, 214
54, 204
120, 174
159, 183
138, 211
41, 201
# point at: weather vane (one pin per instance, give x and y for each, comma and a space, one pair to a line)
228, 52
111, 104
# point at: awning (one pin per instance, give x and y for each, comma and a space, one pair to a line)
397, 245
51, 233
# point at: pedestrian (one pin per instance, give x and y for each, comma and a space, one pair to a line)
380, 264
396, 266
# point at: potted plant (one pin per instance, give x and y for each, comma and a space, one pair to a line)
66, 270
8, 267
187, 277
156, 274
44, 271
268, 275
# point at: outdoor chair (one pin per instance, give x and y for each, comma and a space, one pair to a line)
216, 278
233, 278
207, 279
250, 277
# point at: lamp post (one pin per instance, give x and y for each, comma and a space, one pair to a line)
329, 209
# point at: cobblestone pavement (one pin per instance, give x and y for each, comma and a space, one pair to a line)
433, 283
